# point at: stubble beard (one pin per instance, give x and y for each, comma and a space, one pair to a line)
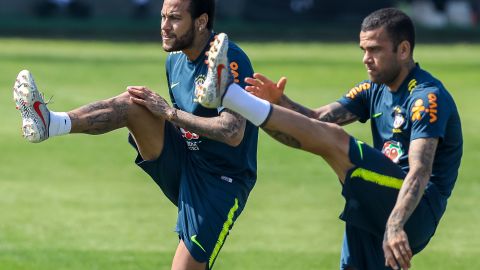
387, 77
182, 42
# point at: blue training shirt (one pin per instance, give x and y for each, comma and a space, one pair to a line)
420, 108
183, 76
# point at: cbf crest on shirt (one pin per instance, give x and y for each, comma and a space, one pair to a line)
420, 108
184, 78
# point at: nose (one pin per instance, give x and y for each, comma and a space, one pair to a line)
367, 59
166, 25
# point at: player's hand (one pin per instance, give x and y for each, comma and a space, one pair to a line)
396, 248
266, 89
156, 104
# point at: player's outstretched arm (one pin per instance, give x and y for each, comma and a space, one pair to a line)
228, 127
395, 242
273, 92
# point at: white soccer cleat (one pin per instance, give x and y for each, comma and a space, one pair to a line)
219, 77
34, 111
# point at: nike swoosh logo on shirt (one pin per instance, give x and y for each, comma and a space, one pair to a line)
173, 85
377, 115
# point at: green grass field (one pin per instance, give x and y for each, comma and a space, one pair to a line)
79, 202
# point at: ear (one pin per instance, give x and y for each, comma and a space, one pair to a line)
404, 50
201, 22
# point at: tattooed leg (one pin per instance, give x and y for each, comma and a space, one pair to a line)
327, 140
107, 115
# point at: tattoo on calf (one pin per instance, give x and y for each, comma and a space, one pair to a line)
283, 138
101, 117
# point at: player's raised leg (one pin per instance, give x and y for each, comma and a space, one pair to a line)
39, 123
106, 115
291, 128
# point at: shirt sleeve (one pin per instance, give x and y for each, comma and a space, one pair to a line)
429, 113
240, 66
357, 100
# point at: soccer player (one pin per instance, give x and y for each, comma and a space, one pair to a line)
395, 192
204, 160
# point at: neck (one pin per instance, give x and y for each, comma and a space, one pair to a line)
199, 43
405, 70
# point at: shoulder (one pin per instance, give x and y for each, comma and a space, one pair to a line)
362, 87
425, 86
174, 56
235, 52
173, 59
430, 91
423, 83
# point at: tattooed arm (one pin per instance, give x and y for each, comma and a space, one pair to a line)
228, 127
273, 92
331, 113
395, 242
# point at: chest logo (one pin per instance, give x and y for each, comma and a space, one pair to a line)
198, 86
398, 123
393, 150
398, 120
191, 139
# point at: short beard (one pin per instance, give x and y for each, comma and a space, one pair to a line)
183, 42
388, 77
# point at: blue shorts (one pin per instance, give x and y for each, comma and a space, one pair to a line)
207, 205
370, 190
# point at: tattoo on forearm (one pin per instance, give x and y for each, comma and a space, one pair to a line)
337, 114
421, 156
289, 104
283, 138
229, 125
411, 195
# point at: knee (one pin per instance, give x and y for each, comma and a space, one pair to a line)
123, 100
124, 103
335, 138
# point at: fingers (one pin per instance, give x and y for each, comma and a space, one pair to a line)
282, 83
140, 91
135, 87
138, 101
403, 255
262, 78
402, 261
389, 259
136, 92
253, 82
397, 254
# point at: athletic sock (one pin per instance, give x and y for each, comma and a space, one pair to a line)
254, 109
60, 124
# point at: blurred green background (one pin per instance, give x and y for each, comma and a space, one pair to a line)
79, 201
